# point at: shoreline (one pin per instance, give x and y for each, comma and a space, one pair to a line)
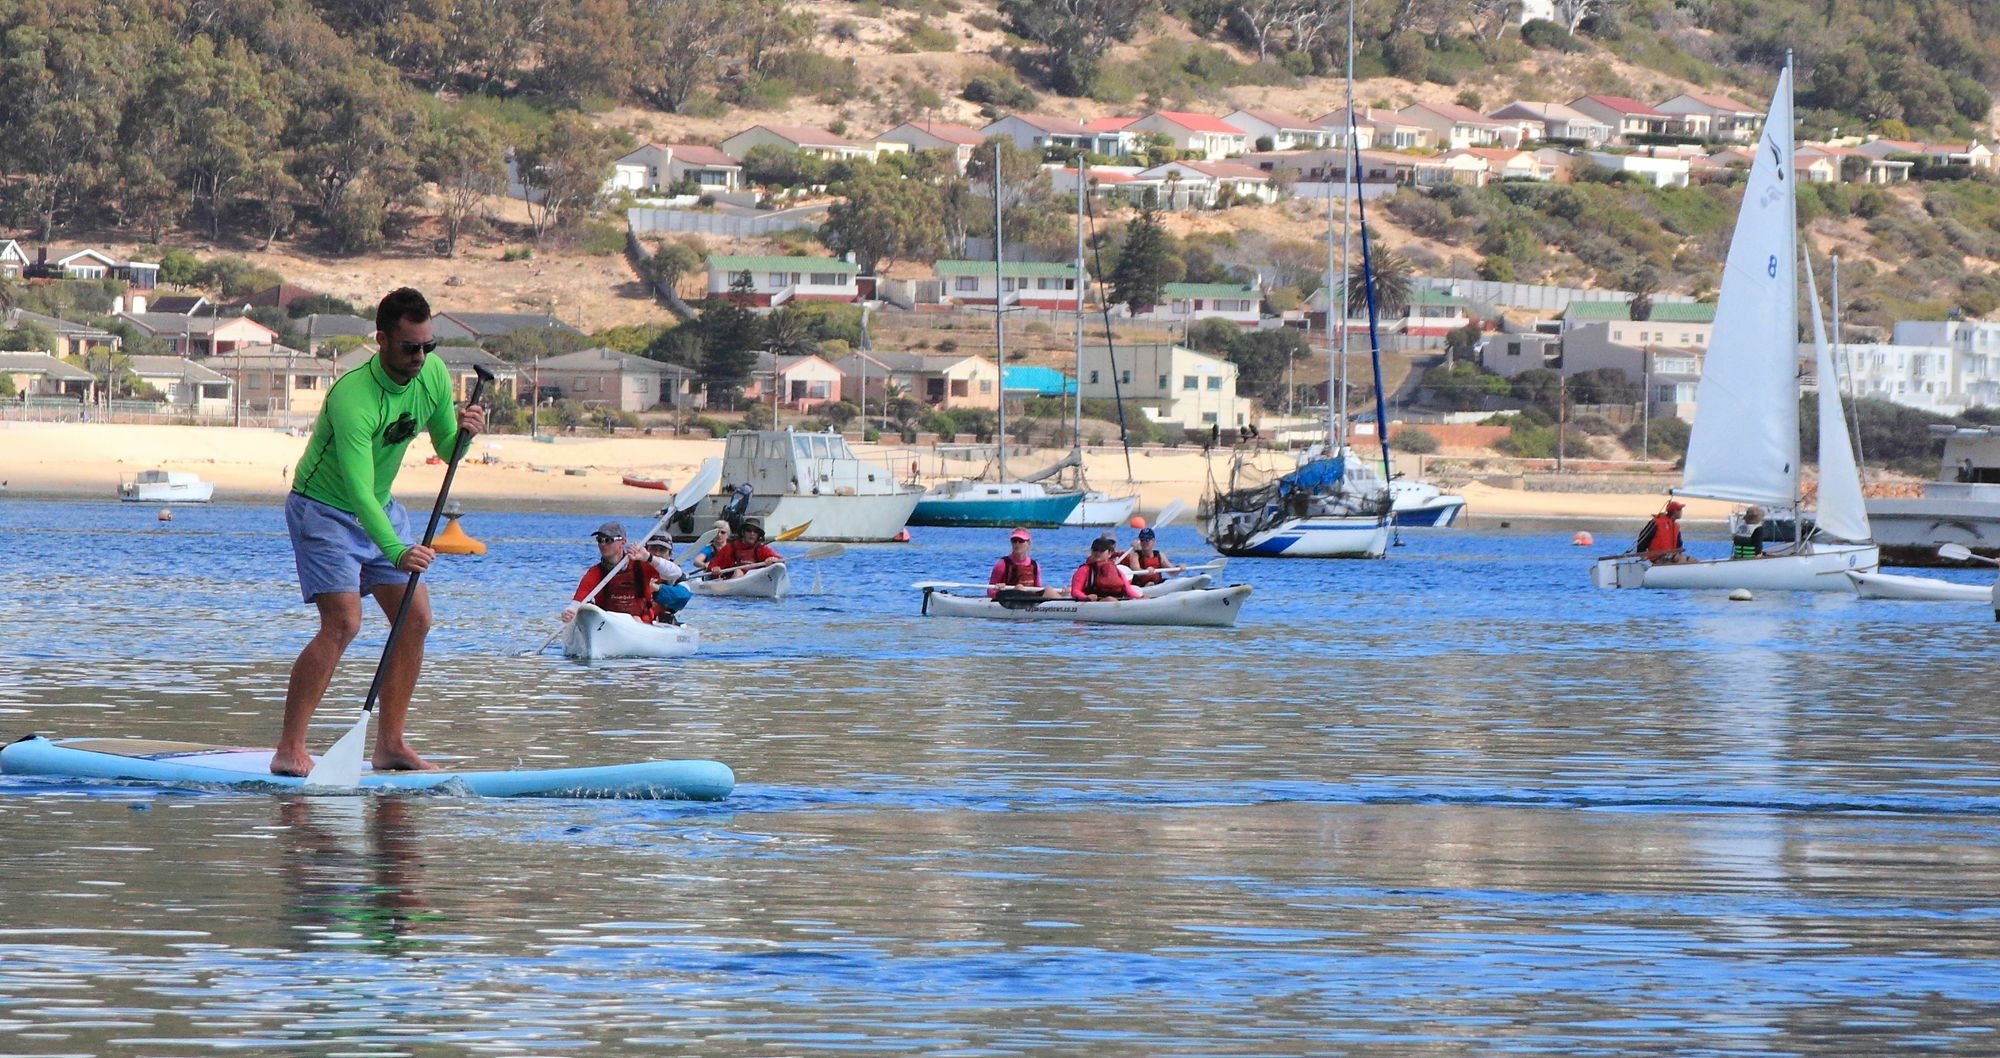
580, 474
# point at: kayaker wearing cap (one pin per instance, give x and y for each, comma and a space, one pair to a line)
1016, 574
350, 539
743, 554
673, 594
1101, 578
1660, 540
631, 590
706, 554
1143, 556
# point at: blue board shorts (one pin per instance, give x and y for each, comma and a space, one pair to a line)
334, 553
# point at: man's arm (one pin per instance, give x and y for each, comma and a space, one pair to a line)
1078, 581
353, 450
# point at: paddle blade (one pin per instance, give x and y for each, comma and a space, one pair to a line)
341, 764
822, 551
700, 485
1955, 552
1170, 512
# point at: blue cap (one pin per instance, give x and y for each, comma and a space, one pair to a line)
1146, 533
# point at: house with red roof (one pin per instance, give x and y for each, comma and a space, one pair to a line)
1040, 132
1555, 122
1726, 119
1855, 166
1627, 116
1457, 126
1115, 137
1202, 185
806, 139
655, 167
1275, 130
911, 136
1198, 136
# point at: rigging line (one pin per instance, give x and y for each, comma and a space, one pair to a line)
1110, 343
1367, 274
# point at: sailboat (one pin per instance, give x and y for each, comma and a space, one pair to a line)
1001, 503
1317, 510
1744, 446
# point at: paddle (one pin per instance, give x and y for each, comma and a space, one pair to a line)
811, 553
1171, 511
341, 764
690, 494
1961, 553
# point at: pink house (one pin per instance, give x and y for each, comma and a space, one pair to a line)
797, 382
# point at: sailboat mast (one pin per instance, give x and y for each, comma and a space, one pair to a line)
1076, 413
999, 323
1367, 266
1790, 174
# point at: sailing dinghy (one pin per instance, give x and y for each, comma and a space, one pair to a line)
1744, 446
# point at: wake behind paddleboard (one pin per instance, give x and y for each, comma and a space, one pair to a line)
149, 761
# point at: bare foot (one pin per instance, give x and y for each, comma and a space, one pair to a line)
291, 762
400, 758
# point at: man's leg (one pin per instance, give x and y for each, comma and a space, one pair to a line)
339, 620
400, 678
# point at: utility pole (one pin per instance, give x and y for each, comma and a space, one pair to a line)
1646, 403
1562, 418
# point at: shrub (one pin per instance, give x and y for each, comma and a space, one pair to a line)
1412, 439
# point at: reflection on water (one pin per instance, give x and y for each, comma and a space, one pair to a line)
1453, 802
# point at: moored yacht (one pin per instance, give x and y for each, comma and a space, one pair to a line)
806, 479
1961, 507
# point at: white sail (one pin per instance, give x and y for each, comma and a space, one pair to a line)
1841, 515
1745, 442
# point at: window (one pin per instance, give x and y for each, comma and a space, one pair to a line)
965, 283
1125, 377
985, 385
829, 279
1215, 382
305, 382
581, 383
1207, 417
776, 279
1190, 382
1163, 381
1093, 378
253, 381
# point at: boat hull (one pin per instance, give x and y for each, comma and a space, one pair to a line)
844, 519
1917, 589
999, 512
1320, 537
199, 492
176, 763
1436, 513
1201, 608
1176, 585
593, 634
770, 582
1817, 570
1100, 509
1910, 530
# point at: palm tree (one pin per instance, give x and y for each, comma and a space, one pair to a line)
1391, 272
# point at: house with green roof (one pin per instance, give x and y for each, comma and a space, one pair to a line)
1184, 303
775, 281
1029, 284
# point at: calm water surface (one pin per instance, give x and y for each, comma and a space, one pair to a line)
1451, 803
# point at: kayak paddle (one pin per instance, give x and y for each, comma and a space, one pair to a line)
1170, 512
1961, 553
820, 551
341, 764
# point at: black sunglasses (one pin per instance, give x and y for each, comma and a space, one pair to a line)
419, 347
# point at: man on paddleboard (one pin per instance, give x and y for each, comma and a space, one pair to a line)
350, 538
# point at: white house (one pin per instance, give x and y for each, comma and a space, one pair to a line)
806, 139
1975, 346
1191, 185
1660, 172
1456, 126
1038, 132
1286, 132
1032, 284
1727, 119
1199, 135
1114, 137
12, 258
1627, 116
956, 140
797, 382
1184, 303
189, 387
1915, 376
1175, 385
1557, 122
777, 280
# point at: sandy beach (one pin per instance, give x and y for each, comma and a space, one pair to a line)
70, 460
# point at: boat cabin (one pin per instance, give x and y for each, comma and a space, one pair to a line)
784, 462
1971, 459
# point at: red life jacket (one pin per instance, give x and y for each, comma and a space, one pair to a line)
1021, 574
1148, 560
630, 592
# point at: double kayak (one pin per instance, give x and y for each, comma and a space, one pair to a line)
1197, 607
765, 582
174, 763
1175, 585
595, 633
1916, 589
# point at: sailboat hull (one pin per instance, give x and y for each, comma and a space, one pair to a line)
1000, 512
1325, 537
1098, 508
1817, 570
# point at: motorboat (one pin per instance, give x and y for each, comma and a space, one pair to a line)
1961, 507
165, 486
809, 480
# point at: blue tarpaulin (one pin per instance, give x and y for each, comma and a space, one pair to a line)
1319, 475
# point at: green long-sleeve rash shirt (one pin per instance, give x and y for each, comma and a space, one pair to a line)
357, 445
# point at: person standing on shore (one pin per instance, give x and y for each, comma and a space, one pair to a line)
350, 538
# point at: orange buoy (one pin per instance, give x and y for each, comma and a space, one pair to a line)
1581, 539
1137, 522
902, 536
451, 540
166, 514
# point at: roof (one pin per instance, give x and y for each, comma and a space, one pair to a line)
55, 325
328, 325
728, 263
1663, 311
1621, 104
174, 367
1226, 170
1112, 124
1278, 119
1435, 297
602, 359
768, 361
179, 304
1492, 155
176, 323
481, 324
804, 135
1547, 111
1012, 268
897, 362
697, 154
43, 364
278, 296
1462, 115
1210, 290
1097, 176
1044, 122
1198, 122
965, 135
1718, 102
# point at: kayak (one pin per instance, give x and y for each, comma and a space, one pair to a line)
596, 633
1173, 585
148, 761
767, 582
1201, 607
1918, 589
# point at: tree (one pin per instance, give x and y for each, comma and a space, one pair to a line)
351, 151
1541, 388
1391, 272
1076, 34
564, 171
1261, 358
729, 341
672, 260
787, 333
464, 162
883, 217
27, 337
224, 111
1145, 265
1463, 387
1645, 282
838, 413
681, 44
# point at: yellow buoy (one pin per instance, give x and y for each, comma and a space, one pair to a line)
451, 540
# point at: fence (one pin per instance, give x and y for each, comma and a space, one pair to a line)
642, 219
1528, 295
129, 412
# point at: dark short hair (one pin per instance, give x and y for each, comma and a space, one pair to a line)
402, 303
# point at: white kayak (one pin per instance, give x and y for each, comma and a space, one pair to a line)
596, 633
768, 582
1174, 585
1201, 607
134, 760
1918, 589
